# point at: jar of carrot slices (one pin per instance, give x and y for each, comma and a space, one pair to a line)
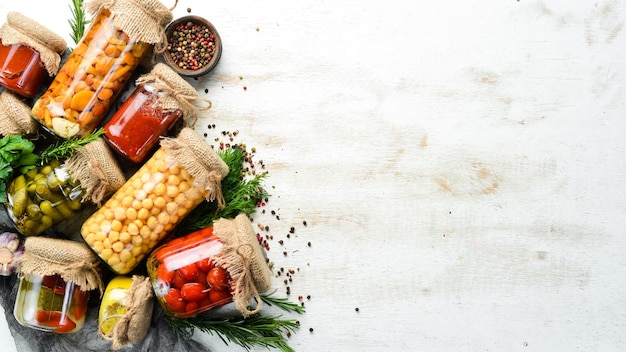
181, 174
95, 72
209, 268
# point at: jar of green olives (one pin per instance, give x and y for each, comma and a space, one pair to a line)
56, 191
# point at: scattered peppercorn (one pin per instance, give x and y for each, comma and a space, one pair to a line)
310, 329
356, 309
308, 244
304, 222
189, 9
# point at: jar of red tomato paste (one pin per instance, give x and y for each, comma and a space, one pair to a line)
209, 268
161, 99
29, 53
56, 277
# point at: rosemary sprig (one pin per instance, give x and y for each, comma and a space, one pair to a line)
282, 303
78, 22
240, 193
66, 148
257, 330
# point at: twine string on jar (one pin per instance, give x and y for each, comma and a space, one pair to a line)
244, 284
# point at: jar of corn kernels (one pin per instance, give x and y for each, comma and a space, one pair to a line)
181, 174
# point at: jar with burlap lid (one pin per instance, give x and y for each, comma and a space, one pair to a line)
56, 277
126, 311
120, 34
210, 268
58, 190
30, 52
181, 174
161, 99
15, 116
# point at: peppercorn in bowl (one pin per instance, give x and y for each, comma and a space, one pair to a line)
193, 46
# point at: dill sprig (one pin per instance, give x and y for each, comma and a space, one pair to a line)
66, 148
282, 303
241, 194
78, 22
257, 330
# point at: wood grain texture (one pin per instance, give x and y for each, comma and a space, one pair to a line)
459, 165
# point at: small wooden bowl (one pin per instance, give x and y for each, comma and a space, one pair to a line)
169, 55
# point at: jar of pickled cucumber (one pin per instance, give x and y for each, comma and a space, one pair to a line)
181, 174
57, 191
81, 94
161, 99
29, 54
210, 268
56, 277
126, 310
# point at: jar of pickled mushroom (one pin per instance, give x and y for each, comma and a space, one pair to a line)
29, 54
56, 277
57, 190
95, 72
160, 100
181, 174
126, 310
209, 268
15, 116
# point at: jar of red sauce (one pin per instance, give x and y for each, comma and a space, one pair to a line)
161, 99
210, 268
29, 53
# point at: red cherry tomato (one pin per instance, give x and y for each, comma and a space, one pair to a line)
201, 278
164, 275
188, 272
194, 291
174, 300
218, 278
178, 281
192, 307
55, 319
205, 265
220, 297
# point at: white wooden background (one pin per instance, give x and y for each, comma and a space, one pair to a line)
460, 165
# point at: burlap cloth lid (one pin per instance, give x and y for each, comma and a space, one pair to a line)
243, 258
141, 20
176, 92
20, 29
190, 151
15, 116
71, 260
95, 167
132, 326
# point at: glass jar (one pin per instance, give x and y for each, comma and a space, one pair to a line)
135, 128
29, 53
184, 277
154, 200
21, 69
56, 191
49, 303
113, 304
43, 197
89, 81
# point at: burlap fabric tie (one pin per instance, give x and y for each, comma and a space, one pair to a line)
95, 167
15, 116
20, 29
71, 260
141, 20
191, 152
132, 326
175, 93
244, 261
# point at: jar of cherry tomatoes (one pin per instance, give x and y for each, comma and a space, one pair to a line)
209, 268
56, 277
80, 95
161, 99
181, 174
29, 53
